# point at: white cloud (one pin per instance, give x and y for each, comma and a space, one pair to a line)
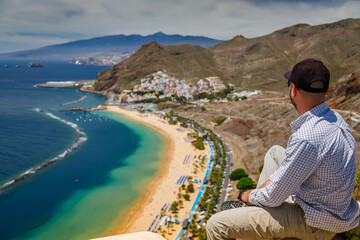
39, 40
222, 19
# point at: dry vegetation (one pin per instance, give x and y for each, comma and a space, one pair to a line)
253, 126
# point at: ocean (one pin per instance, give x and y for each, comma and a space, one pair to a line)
76, 173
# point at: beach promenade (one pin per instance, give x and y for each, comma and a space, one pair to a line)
152, 210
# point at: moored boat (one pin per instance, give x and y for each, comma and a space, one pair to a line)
35, 64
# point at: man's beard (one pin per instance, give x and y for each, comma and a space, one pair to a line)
292, 101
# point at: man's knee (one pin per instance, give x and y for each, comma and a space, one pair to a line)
277, 149
216, 228
277, 154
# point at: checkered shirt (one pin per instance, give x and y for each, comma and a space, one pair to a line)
318, 172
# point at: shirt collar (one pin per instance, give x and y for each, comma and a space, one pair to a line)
319, 110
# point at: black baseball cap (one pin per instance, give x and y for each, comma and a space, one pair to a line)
306, 73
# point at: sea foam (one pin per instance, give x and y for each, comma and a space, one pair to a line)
80, 138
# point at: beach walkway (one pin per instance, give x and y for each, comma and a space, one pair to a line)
198, 197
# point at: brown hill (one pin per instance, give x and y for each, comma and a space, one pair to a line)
254, 63
257, 63
183, 61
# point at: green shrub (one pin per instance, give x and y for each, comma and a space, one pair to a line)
198, 143
205, 95
191, 188
215, 175
245, 183
186, 197
172, 122
237, 174
174, 206
219, 120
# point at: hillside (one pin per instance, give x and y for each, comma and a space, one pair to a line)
183, 61
345, 93
257, 63
254, 63
105, 45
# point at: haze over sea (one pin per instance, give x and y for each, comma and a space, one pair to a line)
82, 194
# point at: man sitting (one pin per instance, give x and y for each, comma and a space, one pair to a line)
304, 191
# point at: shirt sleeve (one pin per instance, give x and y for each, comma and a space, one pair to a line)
300, 162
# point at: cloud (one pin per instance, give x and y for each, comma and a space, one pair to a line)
11, 42
333, 3
28, 38
221, 19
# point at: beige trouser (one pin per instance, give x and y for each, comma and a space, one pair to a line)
285, 221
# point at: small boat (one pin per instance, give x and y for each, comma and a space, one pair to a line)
32, 64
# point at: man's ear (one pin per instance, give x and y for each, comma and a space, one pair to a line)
293, 90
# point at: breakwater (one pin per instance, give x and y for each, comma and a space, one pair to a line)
76, 101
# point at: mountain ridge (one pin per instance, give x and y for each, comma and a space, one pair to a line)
259, 63
107, 44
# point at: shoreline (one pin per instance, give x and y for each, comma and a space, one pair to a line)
79, 139
143, 211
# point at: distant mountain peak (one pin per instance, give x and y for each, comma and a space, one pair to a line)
238, 37
159, 34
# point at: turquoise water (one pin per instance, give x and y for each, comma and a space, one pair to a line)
83, 194
87, 213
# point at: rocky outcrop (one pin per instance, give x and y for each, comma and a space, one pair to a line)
345, 93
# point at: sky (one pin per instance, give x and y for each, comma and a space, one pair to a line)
29, 24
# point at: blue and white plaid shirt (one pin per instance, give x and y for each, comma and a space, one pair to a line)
318, 170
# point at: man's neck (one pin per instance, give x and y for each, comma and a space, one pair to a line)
308, 107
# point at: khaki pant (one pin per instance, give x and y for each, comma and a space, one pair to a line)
285, 221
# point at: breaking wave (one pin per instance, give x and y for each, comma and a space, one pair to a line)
80, 138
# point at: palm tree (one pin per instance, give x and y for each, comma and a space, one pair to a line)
168, 228
169, 225
181, 203
163, 213
179, 195
163, 233
174, 206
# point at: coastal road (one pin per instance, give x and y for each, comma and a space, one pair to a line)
228, 169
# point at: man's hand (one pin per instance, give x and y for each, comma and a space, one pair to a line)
246, 194
245, 197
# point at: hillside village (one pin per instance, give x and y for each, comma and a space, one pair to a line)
161, 87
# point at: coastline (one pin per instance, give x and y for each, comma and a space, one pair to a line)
79, 139
140, 216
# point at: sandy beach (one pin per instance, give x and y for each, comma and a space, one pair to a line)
179, 158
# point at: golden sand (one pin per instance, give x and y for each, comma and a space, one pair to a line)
163, 189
